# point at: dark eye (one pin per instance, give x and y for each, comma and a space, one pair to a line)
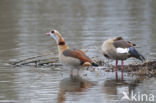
52, 31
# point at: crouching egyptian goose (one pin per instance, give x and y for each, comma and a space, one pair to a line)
72, 58
119, 49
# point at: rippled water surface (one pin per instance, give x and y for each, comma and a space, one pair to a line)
84, 24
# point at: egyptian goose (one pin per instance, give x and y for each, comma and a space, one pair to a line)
72, 58
119, 49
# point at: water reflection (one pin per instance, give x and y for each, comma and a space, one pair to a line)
72, 84
115, 87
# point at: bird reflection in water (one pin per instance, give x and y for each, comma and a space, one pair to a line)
72, 84
115, 87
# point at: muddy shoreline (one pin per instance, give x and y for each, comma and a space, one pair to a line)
146, 68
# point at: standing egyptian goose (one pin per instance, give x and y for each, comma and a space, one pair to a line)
72, 58
119, 49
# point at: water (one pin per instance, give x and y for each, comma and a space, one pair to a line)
84, 24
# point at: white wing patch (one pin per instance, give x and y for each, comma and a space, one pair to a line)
122, 50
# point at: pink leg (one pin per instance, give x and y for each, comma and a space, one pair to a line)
122, 62
116, 73
116, 65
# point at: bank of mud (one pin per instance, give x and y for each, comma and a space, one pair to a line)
147, 68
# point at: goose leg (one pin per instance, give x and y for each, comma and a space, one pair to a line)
116, 65
122, 62
116, 73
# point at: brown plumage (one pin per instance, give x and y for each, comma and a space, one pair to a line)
121, 43
117, 38
119, 49
118, 42
77, 54
72, 58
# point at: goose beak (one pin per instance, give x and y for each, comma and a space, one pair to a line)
48, 34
